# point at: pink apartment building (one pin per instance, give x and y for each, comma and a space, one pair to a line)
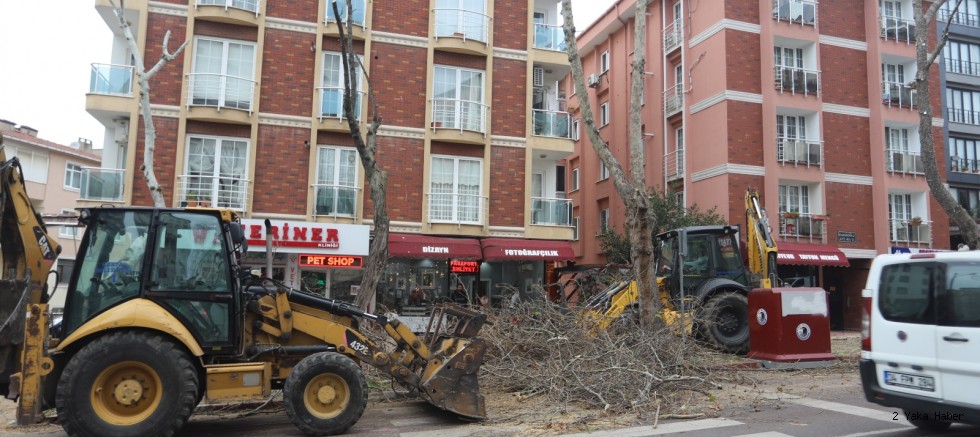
808, 101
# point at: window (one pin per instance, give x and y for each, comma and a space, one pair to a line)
336, 181
794, 198
963, 106
604, 114
462, 18
961, 302
962, 57
604, 62
603, 171
356, 18
455, 190
575, 129
905, 293
223, 73
900, 207
575, 228
215, 171
788, 57
963, 155
967, 198
458, 102
575, 179
34, 163
68, 231
968, 13
332, 87
73, 176
790, 138
603, 221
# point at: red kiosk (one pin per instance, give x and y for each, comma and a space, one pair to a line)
789, 327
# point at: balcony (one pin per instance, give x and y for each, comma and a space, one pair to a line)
461, 30
904, 161
549, 37
673, 36
211, 191
802, 12
898, 95
674, 99
964, 165
962, 67
220, 91
961, 18
551, 212
102, 184
799, 151
111, 80
331, 115
555, 124
796, 226
465, 117
897, 29
910, 232
466, 209
964, 116
674, 165
358, 18
335, 200
244, 12
797, 80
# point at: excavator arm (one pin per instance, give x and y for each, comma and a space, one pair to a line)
761, 247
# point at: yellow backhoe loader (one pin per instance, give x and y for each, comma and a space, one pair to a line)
159, 315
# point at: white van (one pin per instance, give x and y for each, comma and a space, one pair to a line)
920, 337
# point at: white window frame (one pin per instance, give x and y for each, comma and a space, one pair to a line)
794, 198
457, 118
456, 207
73, 176
576, 128
575, 181
204, 81
68, 231
340, 85
603, 171
604, 114
575, 228
338, 178
604, 62
34, 163
359, 9
603, 224
215, 196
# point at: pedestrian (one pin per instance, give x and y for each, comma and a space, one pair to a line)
459, 295
417, 297
483, 299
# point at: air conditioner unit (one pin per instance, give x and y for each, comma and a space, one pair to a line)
593, 80
538, 76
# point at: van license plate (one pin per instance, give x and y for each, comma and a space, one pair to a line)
917, 382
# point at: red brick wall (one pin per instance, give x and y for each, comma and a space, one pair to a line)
508, 109
847, 147
281, 162
406, 17
332, 44
841, 18
164, 159
300, 10
460, 60
217, 129
741, 10
737, 184
510, 19
225, 30
400, 85
851, 206
401, 158
843, 76
506, 186
744, 65
165, 85
453, 149
287, 59
744, 134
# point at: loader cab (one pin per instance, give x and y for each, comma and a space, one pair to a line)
695, 255
182, 260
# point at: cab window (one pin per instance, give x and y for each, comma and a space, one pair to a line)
189, 254
961, 302
905, 293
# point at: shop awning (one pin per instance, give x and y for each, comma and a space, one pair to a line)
811, 255
425, 246
504, 249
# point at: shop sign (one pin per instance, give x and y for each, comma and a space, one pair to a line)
335, 261
296, 237
456, 266
846, 237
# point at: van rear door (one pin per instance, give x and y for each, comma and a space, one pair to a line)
903, 329
958, 333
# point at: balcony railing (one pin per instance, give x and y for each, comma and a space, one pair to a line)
457, 208
102, 184
462, 23
112, 80
898, 29
674, 165
551, 212
961, 18
802, 227
220, 91
803, 12
904, 161
335, 200
897, 94
905, 231
332, 102
963, 67
356, 18
549, 37
552, 124
964, 165
963, 116
673, 35
211, 191
799, 151
459, 114
245, 5
674, 99
797, 80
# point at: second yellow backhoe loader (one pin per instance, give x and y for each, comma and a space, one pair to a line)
159, 315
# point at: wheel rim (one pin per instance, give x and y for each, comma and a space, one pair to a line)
126, 393
326, 396
729, 322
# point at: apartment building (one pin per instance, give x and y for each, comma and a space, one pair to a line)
961, 84
249, 117
53, 180
810, 102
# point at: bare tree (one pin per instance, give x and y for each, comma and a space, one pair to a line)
144, 76
631, 188
366, 145
924, 59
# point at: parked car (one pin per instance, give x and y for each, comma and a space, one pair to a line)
920, 337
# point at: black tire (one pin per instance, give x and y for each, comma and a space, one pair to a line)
725, 323
924, 422
325, 394
152, 387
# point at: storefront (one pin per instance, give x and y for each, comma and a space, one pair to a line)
321, 258
805, 265
523, 266
433, 264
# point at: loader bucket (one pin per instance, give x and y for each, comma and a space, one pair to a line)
449, 379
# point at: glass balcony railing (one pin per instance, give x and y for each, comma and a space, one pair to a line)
897, 94
245, 5
803, 12
897, 29
797, 80
459, 114
102, 184
335, 200
220, 91
799, 151
549, 37
904, 161
332, 102
357, 17
462, 23
111, 80
673, 36
210, 191
802, 226
910, 232
551, 212
552, 124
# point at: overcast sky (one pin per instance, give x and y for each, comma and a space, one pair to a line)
48, 47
